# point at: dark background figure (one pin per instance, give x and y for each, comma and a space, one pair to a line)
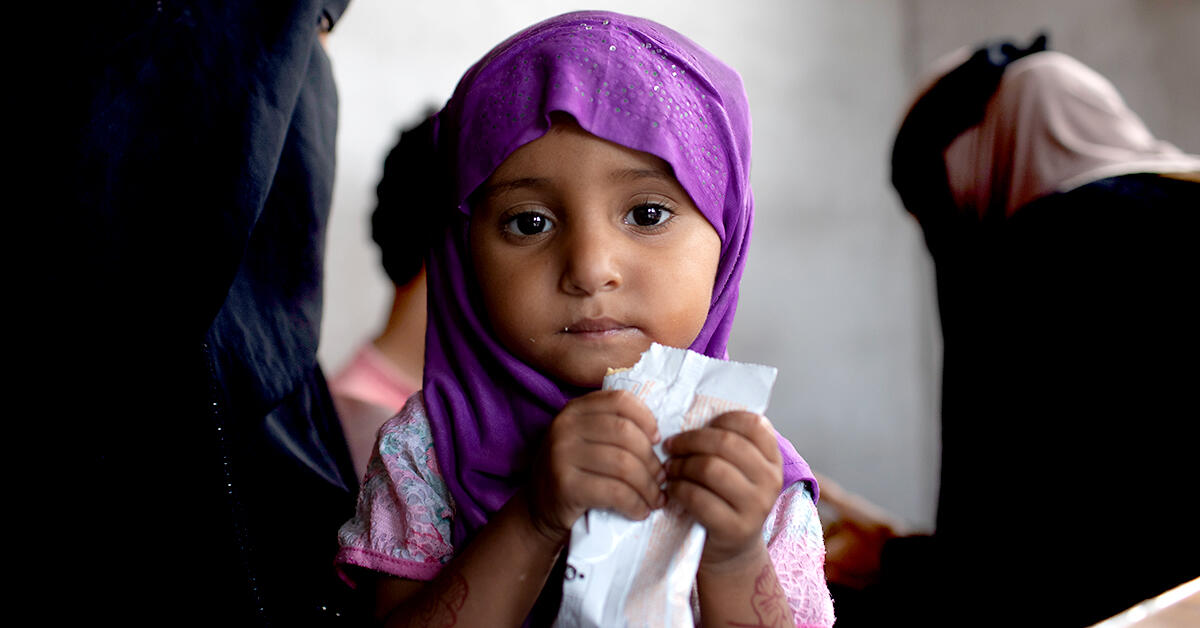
203, 469
1061, 235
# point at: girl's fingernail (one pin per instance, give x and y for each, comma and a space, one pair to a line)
662, 476
765, 421
662, 500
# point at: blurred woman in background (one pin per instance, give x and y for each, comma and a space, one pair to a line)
1062, 235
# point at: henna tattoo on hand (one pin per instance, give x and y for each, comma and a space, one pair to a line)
441, 609
769, 602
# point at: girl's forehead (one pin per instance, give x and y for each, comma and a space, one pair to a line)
568, 158
567, 141
629, 81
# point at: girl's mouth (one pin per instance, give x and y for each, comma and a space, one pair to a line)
597, 327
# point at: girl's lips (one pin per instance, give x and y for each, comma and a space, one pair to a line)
595, 326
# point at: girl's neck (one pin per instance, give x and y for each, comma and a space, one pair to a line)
403, 339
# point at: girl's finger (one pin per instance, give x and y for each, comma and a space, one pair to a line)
619, 464
756, 427
721, 478
739, 450
710, 509
753, 428
601, 491
621, 403
605, 429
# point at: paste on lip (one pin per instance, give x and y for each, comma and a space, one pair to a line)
612, 370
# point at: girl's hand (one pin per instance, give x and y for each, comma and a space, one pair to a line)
727, 475
598, 453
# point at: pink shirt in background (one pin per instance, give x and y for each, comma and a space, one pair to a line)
368, 391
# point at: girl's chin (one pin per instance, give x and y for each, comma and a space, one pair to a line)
583, 364
592, 377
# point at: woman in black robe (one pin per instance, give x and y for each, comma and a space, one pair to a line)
199, 473
1061, 232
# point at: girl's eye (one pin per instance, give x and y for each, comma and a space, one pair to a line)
527, 224
648, 215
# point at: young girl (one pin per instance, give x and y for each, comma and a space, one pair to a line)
599, 165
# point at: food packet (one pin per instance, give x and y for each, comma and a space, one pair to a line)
640, 573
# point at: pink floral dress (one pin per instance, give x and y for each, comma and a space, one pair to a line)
404, 516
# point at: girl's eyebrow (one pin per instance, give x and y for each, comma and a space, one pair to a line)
501, 187
632, 174
626, 174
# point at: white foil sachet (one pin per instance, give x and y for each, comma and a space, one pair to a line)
640, 573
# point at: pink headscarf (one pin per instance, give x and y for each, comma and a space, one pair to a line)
1053, 125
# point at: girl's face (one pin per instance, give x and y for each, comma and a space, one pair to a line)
586, 251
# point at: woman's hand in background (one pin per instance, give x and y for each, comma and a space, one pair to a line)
854, 539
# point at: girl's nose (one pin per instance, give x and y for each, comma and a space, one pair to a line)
591, 262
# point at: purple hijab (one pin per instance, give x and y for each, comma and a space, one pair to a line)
625, 79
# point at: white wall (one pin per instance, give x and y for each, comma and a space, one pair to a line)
838, 289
